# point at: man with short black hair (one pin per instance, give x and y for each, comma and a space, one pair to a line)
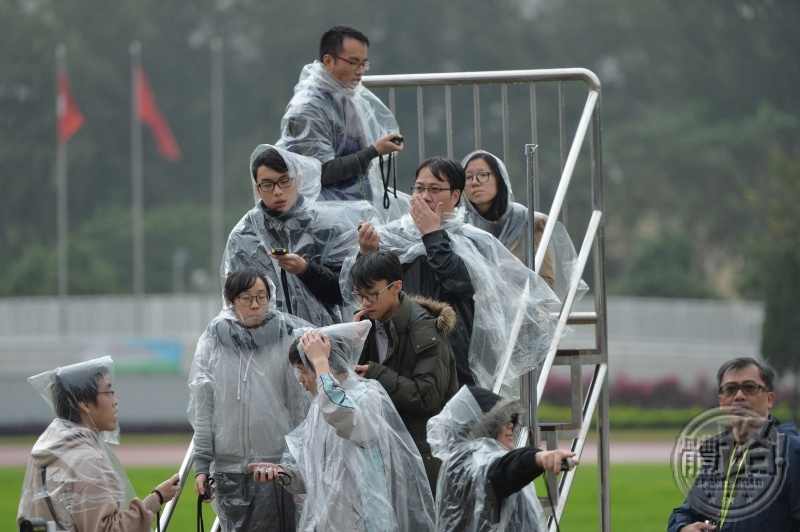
437, 271
750, 478
407, 349
334, 119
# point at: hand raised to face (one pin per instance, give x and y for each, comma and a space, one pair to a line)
426, 220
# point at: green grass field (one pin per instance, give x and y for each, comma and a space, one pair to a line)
642, 497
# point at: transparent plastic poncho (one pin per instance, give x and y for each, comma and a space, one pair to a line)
243, 398
327, 119
514, 309
512, 229
465, 501
323, 232
83, 479
352, 457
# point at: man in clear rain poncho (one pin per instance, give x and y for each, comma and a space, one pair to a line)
502, 307
73, 479
352, 457
299, 243
485, 484
243, 401
334, 119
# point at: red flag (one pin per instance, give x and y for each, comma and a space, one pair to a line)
70, 118
151, 116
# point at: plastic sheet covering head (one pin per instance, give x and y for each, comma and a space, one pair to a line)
71, 466
322, 233
502, 302
327, 118
352, 456
464, 437
511, 226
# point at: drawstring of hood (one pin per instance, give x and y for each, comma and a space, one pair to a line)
242, 377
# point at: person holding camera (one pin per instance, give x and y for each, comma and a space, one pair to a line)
750, 475
485, 483
335, 119
243, 401
73, 479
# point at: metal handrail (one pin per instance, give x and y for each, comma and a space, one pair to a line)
183, 473
588, 125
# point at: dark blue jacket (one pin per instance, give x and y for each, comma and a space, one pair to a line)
777, 450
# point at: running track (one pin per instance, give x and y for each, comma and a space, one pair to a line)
172, 454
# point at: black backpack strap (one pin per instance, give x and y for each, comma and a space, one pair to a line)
49, 501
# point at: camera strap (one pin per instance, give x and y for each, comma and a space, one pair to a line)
284, 479
206, 487
49, 501
391, 171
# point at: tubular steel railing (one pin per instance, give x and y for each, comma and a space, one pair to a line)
588, 126
491, 119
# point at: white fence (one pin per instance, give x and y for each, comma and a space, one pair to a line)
648, 338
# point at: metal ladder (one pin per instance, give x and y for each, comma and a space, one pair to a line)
594, 357
441, 91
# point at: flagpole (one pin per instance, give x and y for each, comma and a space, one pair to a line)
217, 164
137, 186
61, 187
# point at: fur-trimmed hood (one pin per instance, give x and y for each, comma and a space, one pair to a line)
445, 315
493, 421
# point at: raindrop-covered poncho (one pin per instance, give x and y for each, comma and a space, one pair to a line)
323, 233
327, 119
463, 437
496, 298
511, 228
352, 456
73, 477
243, 401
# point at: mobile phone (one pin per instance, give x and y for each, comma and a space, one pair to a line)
279, 251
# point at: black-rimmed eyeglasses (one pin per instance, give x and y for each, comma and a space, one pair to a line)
269, 186
248, 299
482, 177
372, 297
355, 65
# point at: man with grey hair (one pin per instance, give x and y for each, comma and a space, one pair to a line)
750, 477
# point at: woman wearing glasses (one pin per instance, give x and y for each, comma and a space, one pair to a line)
491, 207
299, 243
243, 401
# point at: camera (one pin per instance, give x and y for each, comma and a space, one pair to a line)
279, 251
35, 524
208, 491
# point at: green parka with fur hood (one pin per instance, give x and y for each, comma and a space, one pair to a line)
419, 371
